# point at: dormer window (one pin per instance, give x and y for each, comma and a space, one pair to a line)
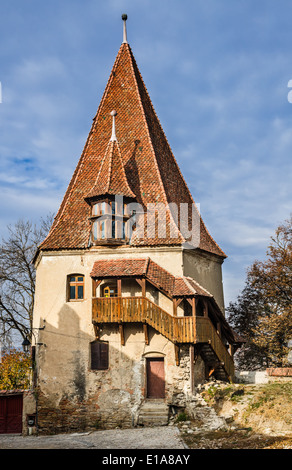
110, 196
109, 222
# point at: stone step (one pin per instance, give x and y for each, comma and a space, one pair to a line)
152, 406
153, 413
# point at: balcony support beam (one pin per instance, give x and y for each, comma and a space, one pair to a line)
96, 330
176, 303
122, 333
119, 287
95, 284
177, 355
145, 329
142, 283
206, 314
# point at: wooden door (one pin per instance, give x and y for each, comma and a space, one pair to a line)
155, 378
11, 414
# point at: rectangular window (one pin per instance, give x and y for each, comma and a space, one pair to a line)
76, 287
99, 355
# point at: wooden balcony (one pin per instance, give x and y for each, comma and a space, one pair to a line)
179, 330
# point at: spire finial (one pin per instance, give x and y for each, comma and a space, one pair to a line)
124, 18
113, 137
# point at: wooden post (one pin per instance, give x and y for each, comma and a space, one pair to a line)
96, 330
119, 288
119, 285
192, 365
176, 352
231, 349
145, 328
174, 308
143, 287
121, 330
176, 303
95, 284
194, 306
205, 308
194, 318
142, 283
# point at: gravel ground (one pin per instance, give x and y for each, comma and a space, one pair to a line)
166, 437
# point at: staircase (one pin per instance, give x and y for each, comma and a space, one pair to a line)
216, 368
153, 412
194, 329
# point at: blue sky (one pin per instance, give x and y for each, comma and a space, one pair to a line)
217, 72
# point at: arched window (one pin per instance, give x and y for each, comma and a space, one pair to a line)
75, 287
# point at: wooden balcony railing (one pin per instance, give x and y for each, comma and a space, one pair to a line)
176, 329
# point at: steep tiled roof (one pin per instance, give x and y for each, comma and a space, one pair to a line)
145, 267
151, 171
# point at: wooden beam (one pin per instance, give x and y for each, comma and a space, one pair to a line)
122, 334
211, 372
176, 303
96, 330
176, 352
192, 365
142, 283
145, 328
194, 306
174, 308
205, 308
119, 286
215, 366
197, 350
95, 284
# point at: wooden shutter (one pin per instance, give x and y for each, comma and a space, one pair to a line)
99, 355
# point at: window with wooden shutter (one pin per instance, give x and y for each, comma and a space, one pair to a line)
99, 355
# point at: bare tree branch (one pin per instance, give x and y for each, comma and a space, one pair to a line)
17, 275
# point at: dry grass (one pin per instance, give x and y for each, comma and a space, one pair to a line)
235, 440
261, 417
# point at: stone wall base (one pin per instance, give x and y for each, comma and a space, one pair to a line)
77, 417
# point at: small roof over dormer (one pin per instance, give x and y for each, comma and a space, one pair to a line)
111, 179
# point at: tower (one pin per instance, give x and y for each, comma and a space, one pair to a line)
128, 279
